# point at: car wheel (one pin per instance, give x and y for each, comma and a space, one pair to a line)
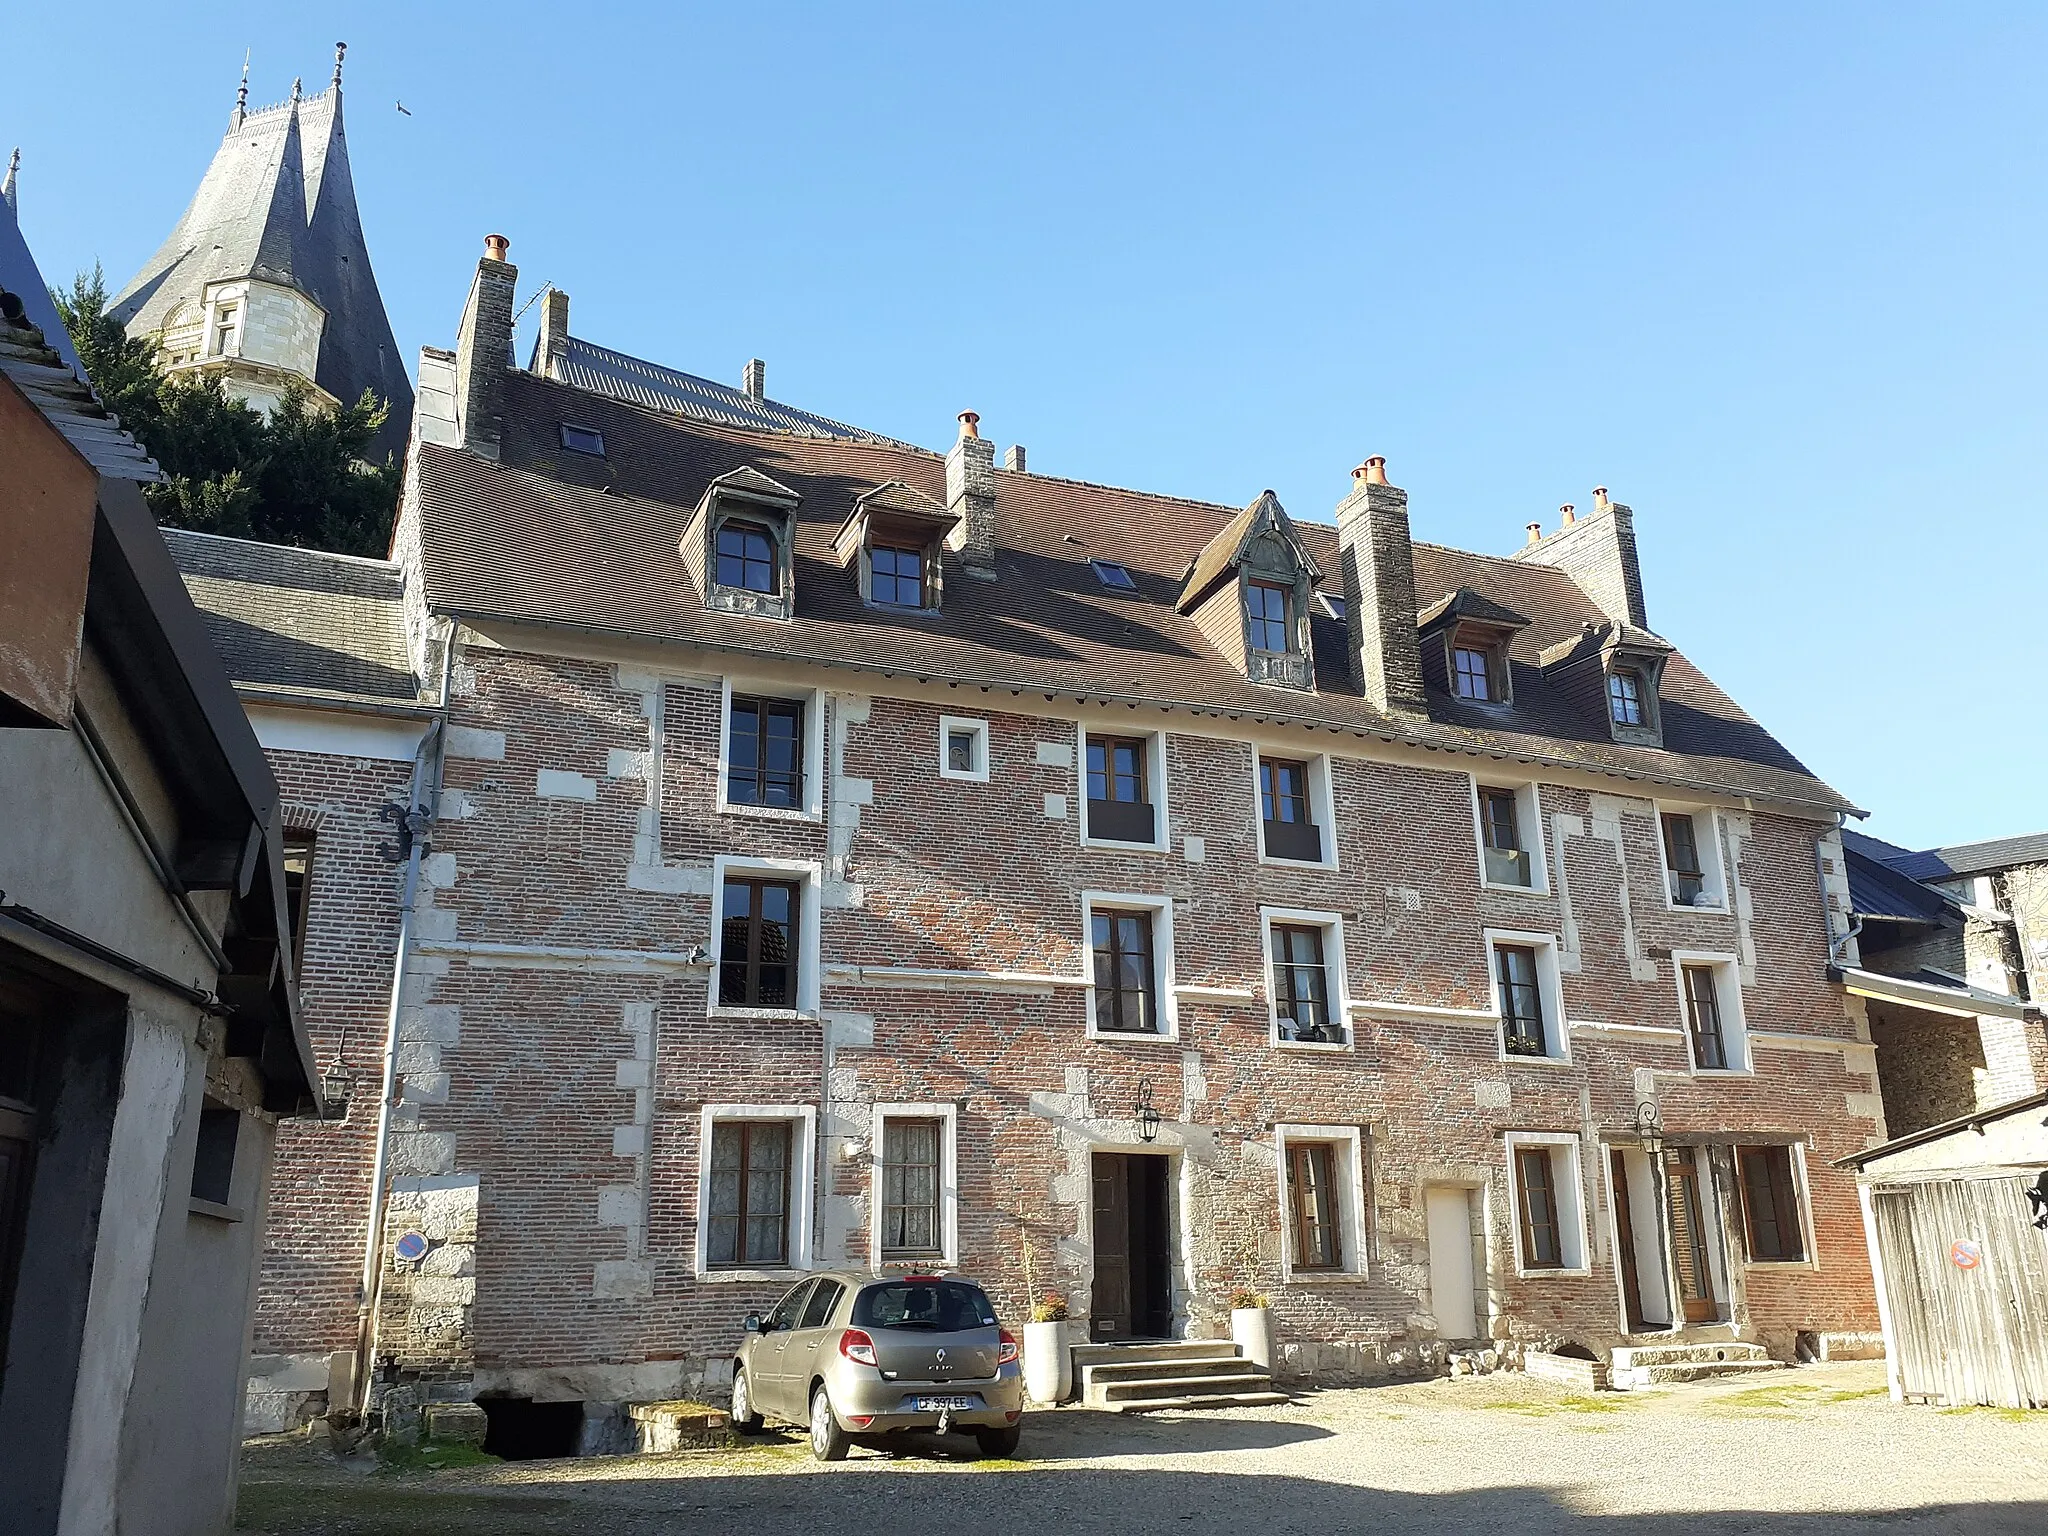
744, 1418
828, 1441
999, 1442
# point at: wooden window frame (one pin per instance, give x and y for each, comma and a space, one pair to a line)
1288, 826
760, 778
743, 1257
1626, 690
1288, 997
1317, 1231
893, 1210
1258, 624
1110, 956
1513, 1020
899, 547
1694, 870
1532, 1222
1701, 983
1487, 676
752, 964
1112, 817
746, 526
1780, 1190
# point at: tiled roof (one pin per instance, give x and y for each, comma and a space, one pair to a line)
1467, 604
559, 539
37, 355
1965, 859
586, 365
278, 203
300, 621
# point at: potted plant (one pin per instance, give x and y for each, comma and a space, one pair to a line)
1048, 1371
1251, 1326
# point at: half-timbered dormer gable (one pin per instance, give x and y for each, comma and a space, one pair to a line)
740, 545
1248, 591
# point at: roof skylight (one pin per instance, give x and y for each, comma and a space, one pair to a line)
1333, 605
1112, 575
583, 439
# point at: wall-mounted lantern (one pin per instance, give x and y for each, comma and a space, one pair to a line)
1147, 1117
1649, 1127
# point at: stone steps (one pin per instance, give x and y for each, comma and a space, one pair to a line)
1197, 1373
1627, 1355
1700, 1370
1648, 1365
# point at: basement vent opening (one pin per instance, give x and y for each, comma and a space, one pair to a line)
523, 1430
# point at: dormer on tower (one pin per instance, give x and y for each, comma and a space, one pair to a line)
895, 539
739, 545
1616, 668
1249, 590
1465, 637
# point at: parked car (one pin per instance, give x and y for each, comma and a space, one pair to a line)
854, 1356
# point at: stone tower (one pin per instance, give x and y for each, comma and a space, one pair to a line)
266, 278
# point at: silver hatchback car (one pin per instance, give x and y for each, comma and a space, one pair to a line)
856, 1355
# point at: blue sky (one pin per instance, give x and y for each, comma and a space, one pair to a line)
1772, 273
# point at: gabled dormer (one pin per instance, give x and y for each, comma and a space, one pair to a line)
739, 545
895, 542
1617, 669
1465, 637
1249, 591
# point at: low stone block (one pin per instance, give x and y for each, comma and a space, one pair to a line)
457, 1423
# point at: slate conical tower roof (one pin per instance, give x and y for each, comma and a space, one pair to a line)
278, 204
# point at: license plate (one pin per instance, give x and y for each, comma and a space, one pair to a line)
938, 1404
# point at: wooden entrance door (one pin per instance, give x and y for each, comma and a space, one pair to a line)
1625, 1240
1132, 1292
1690, 1255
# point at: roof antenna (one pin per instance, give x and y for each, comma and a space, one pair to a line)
242, 95
339, 50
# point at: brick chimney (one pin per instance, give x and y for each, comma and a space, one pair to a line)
1379, 591
971, 495
1598, 551
1013, 458
754, 381
483, 351
554, 329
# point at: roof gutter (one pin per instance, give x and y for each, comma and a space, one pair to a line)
1959, 1002
1971, 1122
1139, 701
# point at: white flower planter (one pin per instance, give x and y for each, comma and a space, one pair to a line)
1048, 1365
1251, 1330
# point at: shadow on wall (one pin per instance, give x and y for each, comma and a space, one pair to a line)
869, 1494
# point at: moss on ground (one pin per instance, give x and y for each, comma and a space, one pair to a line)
430, 1456
1570, 1403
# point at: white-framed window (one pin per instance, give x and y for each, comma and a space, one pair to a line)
1528, 996
1127, 956
1296, 809
1689, 849
754, 1190
1777, 1212
771, 751
914, 1194
963, 749
1507, 817
1307, 999
1710, 1011
766, 933
1322, 1202
1122, 779
1547, 1200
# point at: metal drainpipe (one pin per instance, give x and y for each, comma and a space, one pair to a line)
420, 818
1836, 943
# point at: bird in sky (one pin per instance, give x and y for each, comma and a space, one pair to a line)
402, 107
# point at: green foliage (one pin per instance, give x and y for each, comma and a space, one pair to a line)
302, 477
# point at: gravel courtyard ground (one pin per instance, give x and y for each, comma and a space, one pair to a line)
1819, 1450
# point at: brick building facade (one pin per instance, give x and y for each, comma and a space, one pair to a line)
843, 853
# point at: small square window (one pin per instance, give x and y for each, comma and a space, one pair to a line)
583, 440
1472, 673
746, 558
1625, 697
896, 576
1113, 575
963, 749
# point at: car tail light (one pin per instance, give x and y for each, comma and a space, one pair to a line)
857, 1347
860, 1420
1007, 1355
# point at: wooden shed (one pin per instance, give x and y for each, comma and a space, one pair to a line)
1957, 1218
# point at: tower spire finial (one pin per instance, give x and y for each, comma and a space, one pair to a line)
242, 95
339, 50
7, 192
298, 88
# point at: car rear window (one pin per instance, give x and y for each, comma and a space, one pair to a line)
941, 1306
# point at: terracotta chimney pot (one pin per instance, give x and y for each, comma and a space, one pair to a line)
1535, 533
1599, 498
1566, 515
1373, 471
970, 424
495, 247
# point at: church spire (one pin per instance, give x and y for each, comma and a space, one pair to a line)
7, 186
242, 95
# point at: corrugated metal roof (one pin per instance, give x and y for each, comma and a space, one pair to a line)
1880, 891
585, 365
37, 355
1965, 859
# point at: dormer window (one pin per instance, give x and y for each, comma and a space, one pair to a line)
1265, 616
895, 539
739, 545
1249, 590
1465, 637
1625, 696
746, 558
